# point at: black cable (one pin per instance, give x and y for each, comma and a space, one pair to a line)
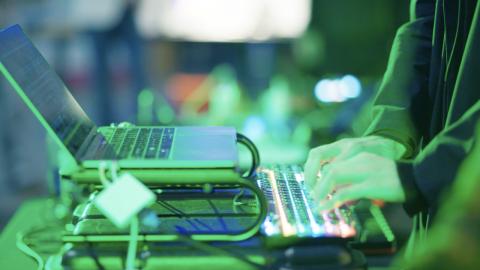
206, 247
177, 212
93, 254
219, 251
244, 140
193, 243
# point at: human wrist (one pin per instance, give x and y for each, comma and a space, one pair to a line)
397, 150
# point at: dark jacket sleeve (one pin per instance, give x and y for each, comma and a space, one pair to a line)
427, 177
435, 168
405, 79
456, 224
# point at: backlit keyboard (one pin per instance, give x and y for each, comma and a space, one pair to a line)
292, 211
140, 143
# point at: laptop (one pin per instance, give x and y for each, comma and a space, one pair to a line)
134, 147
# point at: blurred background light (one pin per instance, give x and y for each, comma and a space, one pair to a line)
338, 89
223, 21
254, 127
351, 85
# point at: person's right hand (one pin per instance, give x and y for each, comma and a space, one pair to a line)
347, 148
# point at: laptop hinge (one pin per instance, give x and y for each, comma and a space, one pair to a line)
86, 144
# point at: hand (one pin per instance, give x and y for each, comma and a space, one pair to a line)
347, 148
365, 175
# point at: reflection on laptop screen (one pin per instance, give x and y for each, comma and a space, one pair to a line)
38, 84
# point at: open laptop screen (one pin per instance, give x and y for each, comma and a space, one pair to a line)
42, 89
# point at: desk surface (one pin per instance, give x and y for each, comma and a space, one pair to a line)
30, 214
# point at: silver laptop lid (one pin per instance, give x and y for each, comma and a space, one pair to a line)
42, 90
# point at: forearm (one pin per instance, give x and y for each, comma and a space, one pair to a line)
403, 90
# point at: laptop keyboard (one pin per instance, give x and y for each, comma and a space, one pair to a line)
291, 209
141, 143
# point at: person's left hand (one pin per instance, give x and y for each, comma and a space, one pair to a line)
364, 175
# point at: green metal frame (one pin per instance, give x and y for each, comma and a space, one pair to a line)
178, 179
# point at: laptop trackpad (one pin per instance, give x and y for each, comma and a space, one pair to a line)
203, 145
